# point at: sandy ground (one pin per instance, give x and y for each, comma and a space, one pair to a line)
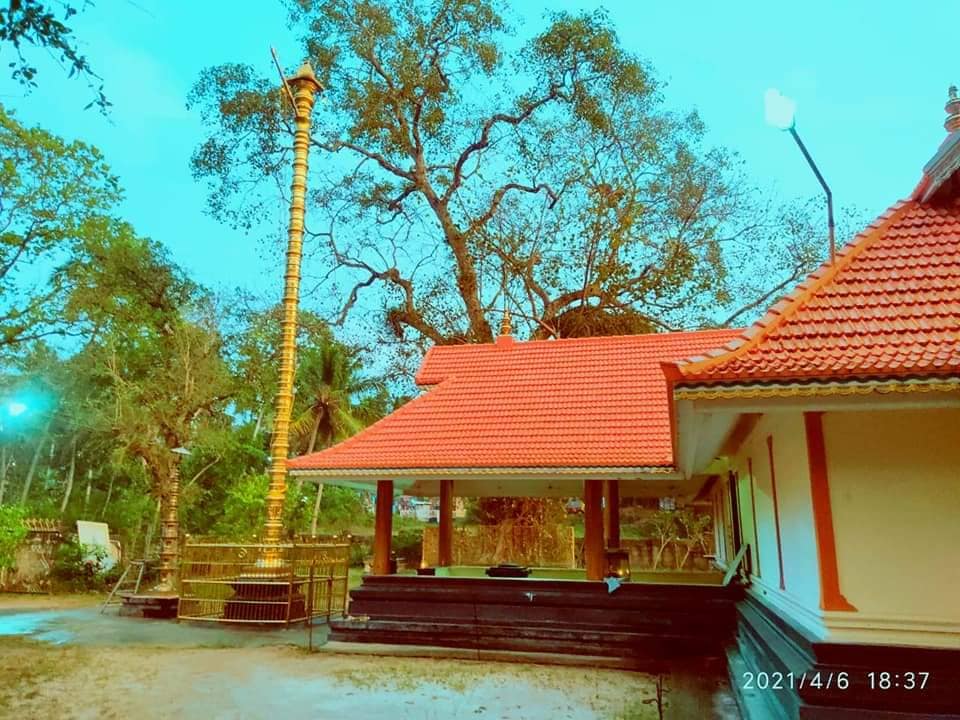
30, 601
284, 682
69, 661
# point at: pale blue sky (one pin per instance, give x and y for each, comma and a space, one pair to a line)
870, 79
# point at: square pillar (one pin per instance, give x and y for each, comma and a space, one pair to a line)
383, 528
611, 493
445, 535
831, 598
593, 553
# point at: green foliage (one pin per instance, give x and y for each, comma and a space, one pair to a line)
361, 549
334, 400
33, 23
244, 509
341, 509
55, 195
79, 567
408, 545
12, 532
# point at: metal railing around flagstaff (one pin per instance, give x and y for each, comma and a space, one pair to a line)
229, 582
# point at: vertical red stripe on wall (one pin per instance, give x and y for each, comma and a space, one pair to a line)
753, 507
776, 508
830, 596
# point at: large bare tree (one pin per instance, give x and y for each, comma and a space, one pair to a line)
463, 169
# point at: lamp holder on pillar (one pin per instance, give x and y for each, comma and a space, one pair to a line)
170, 527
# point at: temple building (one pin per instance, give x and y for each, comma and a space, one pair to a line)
825, 437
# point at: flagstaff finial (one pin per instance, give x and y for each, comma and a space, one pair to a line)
305, 74
952, 107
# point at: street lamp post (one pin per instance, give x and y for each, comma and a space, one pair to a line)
781, 113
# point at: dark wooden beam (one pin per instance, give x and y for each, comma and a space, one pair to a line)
612, 508
593, 553
445, 535
383, 528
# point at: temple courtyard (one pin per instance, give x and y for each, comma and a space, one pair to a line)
60, 658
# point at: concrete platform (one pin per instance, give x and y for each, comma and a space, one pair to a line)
157, 606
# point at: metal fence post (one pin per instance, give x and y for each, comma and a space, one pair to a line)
290, 591
310, 609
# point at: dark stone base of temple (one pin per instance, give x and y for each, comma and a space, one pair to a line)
653, 624
780, 653
149, 605
265, 603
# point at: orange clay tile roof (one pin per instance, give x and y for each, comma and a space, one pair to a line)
888, 308
591, 402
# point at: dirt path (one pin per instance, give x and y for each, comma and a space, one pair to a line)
71, 661
42, 680
29, 601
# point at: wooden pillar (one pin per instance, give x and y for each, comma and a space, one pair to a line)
830, 596
445, 535
383, 528
611, 503
593, 553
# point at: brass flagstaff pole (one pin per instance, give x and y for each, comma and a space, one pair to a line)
305, 86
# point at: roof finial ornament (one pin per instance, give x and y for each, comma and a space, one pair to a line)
953, 110
505, 321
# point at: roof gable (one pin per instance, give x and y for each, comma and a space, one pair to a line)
888, 307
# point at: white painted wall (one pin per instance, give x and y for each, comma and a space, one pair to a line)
895, 492
894, 478
801, 594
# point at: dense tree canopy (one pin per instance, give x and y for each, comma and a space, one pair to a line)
54, 197
112, 356
459, 171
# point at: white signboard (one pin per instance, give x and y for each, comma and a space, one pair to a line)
97, 534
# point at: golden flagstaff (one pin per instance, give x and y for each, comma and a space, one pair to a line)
304, 85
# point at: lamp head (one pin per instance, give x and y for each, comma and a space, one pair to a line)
180, 451
15, 408
779, 110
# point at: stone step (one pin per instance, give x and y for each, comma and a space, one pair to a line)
656, 646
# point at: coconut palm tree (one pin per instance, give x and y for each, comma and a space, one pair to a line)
333, 401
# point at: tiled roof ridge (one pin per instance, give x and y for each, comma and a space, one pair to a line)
422, 379
783, 309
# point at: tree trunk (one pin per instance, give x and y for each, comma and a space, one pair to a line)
316, 510
259, 424
109, 493
151, 529
86, 499
315, 431
3, 472
33, 466
310, 448
70, 474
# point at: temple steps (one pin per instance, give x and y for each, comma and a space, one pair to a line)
657, 622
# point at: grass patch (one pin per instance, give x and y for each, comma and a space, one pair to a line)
403, 675
26, 665
355, 578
